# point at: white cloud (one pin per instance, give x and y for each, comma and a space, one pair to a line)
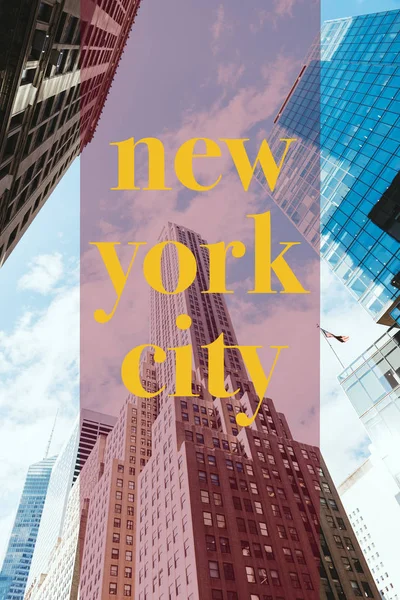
45, 271
38, 375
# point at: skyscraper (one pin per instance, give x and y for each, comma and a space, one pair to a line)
56, 67
372, 384
341, 174
370, 496
215, 511
17, 561
87, 428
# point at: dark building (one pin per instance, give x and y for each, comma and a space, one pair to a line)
57, 62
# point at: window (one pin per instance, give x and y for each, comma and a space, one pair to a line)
200, 457
367, 590
213, 569
225, 547
129, 540
210, 543
294, 578
338, 541
275, 578
293, 534
221, 521
241, 524
237, 503
275, 510
331, 521
229, 572
281, 532
341, 524
207, 519
217, 595
128, 572
217, 499
116, 538
211, 460
203, 476
356, 588
112, 590
252, 526
248, 505
263, 529
348, 543
128, 555
287, 553
307, 581
253, 487
257, 550
300, 557
245, 548
205, 496
332, 504
199, 438
120, 483
114, 570
258, 507
214, 478
117, 523
269, 552
250, 574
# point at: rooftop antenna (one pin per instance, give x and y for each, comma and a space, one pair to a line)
51, 435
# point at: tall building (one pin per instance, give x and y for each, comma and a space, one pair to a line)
57, 63
212, 511
372, 384
371, 494
372, 501
17, 561
86, 430
339, 183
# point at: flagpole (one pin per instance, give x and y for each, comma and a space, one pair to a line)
331, 347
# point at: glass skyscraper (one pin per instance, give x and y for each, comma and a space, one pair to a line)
17, 561
338, 184
372, 384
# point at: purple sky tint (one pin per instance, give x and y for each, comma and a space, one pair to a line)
199, 70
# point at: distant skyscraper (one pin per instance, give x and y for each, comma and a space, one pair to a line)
88, 426
17, 561
57, 63
341, 175
217, 512
372, 501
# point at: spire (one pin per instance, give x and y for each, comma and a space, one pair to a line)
51, 435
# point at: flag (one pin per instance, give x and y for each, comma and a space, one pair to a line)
339, 338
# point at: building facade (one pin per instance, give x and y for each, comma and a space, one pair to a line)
86, 430
372, 384
371, 499
17, 561
191, 506
338, 185
57, 65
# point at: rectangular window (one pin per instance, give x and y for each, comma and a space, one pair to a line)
207, 519
213, 569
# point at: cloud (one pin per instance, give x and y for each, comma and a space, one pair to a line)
45, 271
229, 74
280, 9
38, 374
219, 26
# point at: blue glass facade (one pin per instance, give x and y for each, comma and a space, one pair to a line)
344, 111
17, 561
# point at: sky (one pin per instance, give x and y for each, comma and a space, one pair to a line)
39, 320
